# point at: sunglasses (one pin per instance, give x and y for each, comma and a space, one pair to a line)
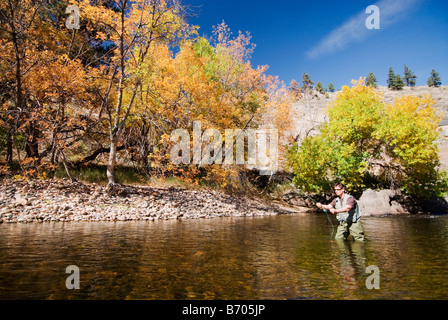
337, 189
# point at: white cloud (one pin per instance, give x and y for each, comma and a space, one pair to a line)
355, 30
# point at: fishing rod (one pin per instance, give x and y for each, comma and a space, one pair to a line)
326, 212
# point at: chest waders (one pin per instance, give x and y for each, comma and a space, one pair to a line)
352, 216
350, 222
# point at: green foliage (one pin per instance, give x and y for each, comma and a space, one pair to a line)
394, 81
409, 77
366, 142
319, 87
391, 78
307, 83
434, 79
371, 80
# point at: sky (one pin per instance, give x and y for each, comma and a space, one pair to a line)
329, 40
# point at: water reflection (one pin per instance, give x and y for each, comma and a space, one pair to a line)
284, 257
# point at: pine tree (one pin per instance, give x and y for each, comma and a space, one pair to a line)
307, 82
331, 87
434, 79
391, 79
319, 87
371, 80
409, 77
398, 83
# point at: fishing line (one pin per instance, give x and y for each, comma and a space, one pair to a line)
326, 213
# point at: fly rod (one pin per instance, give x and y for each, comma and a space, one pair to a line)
326, 213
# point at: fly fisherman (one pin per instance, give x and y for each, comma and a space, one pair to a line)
348, 214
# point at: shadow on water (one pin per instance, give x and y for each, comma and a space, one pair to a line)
282, 257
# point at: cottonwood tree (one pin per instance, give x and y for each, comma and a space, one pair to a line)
45, 77
133, 27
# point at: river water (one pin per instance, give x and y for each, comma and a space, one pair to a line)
279, 257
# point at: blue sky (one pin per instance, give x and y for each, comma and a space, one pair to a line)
329, 39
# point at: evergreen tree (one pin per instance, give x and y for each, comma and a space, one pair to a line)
409, 77
398, 83
319, 87
331, 87
391, 79
371, 80
394, 81
434, 79
308, 84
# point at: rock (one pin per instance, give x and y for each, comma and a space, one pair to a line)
374, 203
20, 200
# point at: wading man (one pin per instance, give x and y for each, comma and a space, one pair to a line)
348, 214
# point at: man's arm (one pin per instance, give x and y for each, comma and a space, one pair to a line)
351, 203
326, 207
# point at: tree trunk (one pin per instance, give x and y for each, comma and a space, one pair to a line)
9, 150
112, 160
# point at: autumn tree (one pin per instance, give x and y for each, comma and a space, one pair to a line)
45, 78
295, 91
133, 27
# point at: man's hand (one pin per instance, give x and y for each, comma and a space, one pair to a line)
333, 211
319, 205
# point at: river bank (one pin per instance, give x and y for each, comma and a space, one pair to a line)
65, 201
24, 201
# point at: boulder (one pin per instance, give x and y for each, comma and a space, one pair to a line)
380, 202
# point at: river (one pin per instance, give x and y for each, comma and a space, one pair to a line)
278, 257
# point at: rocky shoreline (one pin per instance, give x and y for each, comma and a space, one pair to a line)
66, 201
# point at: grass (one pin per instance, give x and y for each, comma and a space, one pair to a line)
97, 174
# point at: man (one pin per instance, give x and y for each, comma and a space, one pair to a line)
348, 214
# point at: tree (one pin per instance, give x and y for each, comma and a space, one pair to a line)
394, 81
371, 80
331, 87
295, 91
434, 79
367, 143
307, 83
319, 87
133, 72
391, 79
46, 78
409, 77
133, 27
398, 83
